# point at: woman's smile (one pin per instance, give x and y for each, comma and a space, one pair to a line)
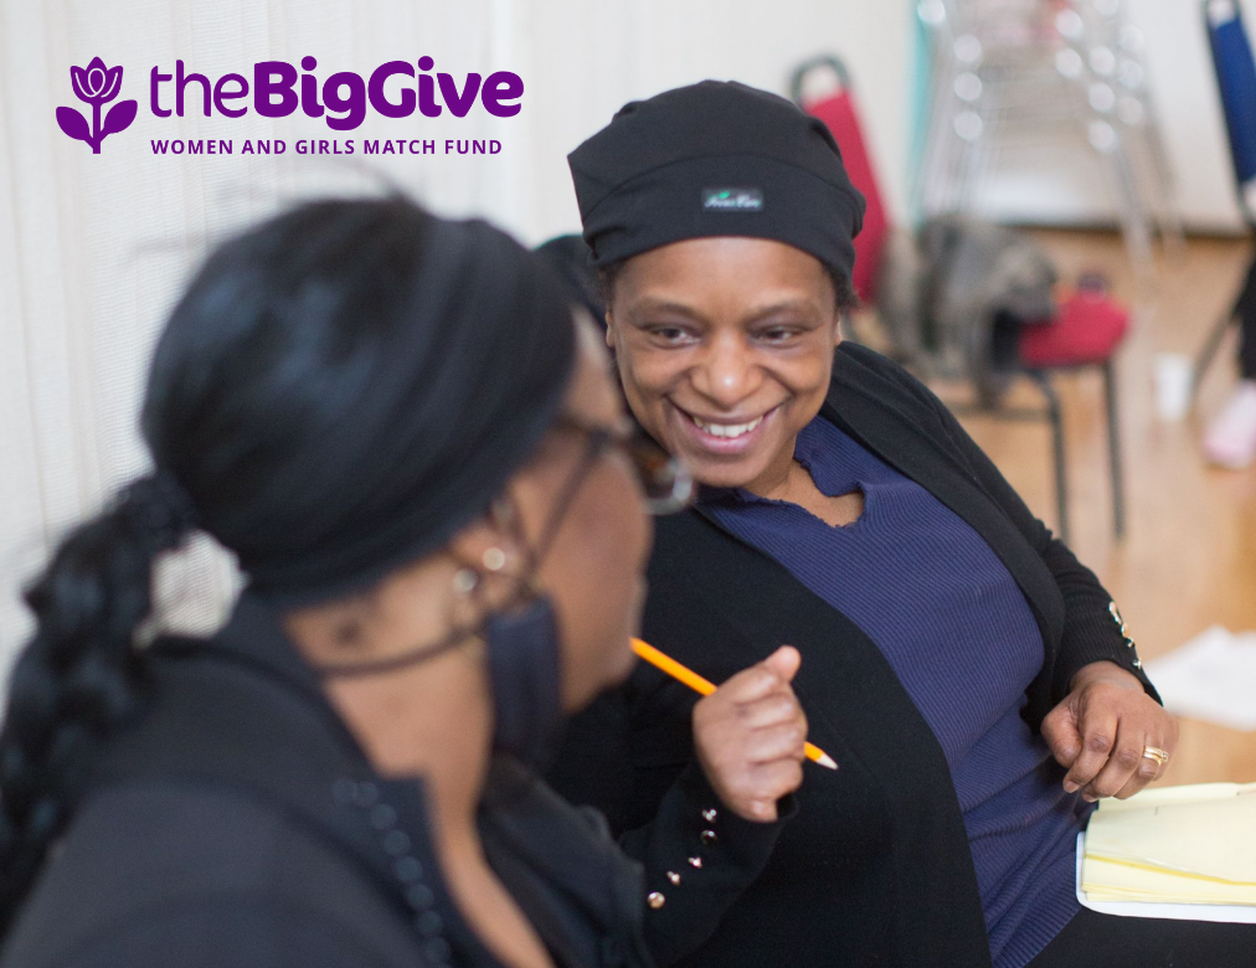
732, 435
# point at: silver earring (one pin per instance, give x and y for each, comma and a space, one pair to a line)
465, 581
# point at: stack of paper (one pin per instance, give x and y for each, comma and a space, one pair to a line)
1178, 845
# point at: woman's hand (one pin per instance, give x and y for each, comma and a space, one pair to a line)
749, 736
1099, 731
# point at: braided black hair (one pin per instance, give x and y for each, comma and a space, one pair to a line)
80, 676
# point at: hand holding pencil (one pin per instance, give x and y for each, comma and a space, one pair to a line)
749, 733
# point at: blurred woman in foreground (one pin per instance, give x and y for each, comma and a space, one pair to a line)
422, 467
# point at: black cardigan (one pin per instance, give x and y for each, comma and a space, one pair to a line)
238, 824
875, 869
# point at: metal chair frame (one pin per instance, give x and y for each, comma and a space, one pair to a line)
1052, 413
1008, 49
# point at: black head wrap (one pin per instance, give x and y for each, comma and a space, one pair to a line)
712, 159
344, 388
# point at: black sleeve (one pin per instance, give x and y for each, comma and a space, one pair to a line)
1093, 632
698, 857
238, 931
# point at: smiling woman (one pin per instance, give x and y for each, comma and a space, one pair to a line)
726, 373
969, 675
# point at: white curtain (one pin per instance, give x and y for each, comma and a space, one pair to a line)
94, 248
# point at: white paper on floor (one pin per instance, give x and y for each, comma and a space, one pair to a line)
1212, 677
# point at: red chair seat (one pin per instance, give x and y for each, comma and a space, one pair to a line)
1088, 329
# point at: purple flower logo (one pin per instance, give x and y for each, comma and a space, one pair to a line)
96, 84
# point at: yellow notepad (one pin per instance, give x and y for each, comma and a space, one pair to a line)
1182, 845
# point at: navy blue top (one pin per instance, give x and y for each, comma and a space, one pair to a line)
954, 625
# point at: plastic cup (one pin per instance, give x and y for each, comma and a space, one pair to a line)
1172, 377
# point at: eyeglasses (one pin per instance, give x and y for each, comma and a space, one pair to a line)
666, 482
668, 488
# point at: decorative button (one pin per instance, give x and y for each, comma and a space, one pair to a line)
396, 843
429, 924
344, 790
695, 862
1136, 662
408, 869
1129, 643
1116, 615
367, 794
383, 816
673, 877
655, 900
420, 896
708, 837
709, 814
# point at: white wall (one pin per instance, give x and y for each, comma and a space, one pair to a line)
93, 248
667, 44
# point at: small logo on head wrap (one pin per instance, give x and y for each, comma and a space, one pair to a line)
732, 199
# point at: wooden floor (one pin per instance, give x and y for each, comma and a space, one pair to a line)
1188, 560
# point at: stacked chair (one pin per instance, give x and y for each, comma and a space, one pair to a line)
1007, 72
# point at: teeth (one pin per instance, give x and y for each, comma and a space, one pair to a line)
727, 430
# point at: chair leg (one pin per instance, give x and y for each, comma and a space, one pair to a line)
1244, 306
1057, 448
1114, 450
1208, 351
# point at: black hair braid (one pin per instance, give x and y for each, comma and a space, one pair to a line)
77, 678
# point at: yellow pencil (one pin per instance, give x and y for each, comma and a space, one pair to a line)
695, 682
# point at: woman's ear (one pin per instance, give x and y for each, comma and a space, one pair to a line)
610, 330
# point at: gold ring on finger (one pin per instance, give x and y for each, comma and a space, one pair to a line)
1160, 756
